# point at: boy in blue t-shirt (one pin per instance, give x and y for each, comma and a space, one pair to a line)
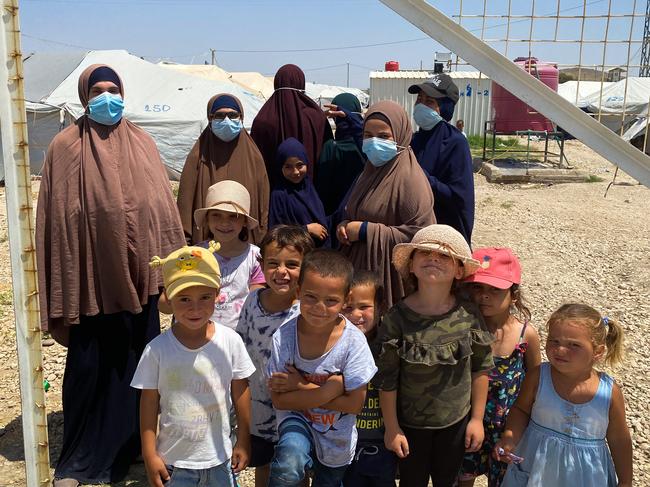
319, 368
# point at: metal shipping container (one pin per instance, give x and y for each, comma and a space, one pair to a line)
474, 89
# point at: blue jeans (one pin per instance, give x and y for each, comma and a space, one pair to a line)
219, 475
294, 455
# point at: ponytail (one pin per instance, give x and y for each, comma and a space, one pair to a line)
613, 341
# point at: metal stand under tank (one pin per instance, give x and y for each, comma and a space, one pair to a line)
556, 158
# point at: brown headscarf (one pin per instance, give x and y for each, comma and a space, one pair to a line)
396, 201
105, 208
212, 160
290, 113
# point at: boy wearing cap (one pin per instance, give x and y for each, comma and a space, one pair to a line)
443, 153
191, 374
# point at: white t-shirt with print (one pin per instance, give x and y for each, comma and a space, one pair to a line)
237, 275
195, 395
256, 327
334, 433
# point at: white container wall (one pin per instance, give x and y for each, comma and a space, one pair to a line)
474, 89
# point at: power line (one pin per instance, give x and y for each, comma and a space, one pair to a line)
318, 49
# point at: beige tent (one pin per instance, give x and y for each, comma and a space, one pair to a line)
256, 83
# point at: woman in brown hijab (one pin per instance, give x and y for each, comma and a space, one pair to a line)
390, 201
105, 207
224, 151
290, 113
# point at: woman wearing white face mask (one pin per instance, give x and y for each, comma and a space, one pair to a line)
390, 201
223, 151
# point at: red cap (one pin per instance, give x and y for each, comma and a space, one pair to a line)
499, 267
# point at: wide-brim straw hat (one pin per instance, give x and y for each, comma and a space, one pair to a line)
229, 196
438, 238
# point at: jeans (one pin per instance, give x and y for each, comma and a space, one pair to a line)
217, 476
294, 455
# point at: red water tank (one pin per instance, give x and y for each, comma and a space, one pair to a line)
391, 66
510, 113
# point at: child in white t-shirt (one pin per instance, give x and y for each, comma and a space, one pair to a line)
283, 249
192, 374
226, 213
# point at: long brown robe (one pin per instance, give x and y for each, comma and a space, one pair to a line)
290, 113
212, 160
105, 207
396, 201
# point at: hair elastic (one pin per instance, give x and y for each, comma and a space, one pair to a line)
605, 321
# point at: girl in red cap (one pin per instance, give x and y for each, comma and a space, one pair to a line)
495, 288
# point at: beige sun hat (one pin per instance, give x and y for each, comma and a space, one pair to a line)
438, 238
227, 196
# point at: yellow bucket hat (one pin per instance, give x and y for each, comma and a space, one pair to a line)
189, 266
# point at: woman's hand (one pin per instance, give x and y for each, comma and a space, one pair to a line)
348, 232
317, 230
334, 112
341, 232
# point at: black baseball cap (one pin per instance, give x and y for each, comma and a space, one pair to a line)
438, 86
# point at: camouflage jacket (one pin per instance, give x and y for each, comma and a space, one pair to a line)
429, 360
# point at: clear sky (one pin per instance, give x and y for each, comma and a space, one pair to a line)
321, 36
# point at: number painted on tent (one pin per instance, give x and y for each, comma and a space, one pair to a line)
157, 108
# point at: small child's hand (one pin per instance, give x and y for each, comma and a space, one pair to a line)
240, 457
474, 435
288, 381
396, 442
278, 382
156, 470
503, 448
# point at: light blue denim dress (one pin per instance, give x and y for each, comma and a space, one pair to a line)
564, 444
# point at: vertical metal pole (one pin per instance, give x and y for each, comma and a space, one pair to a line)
214, 56
348, 82
22, 248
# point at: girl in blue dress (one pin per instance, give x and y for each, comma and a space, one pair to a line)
567, 427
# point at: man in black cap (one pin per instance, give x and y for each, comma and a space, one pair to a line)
443, 152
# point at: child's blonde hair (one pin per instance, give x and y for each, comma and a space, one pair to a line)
604, 330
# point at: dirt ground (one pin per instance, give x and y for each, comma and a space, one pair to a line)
574, 245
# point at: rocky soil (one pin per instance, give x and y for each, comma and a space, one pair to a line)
574, 244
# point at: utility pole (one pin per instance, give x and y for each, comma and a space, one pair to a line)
644, 69
214, 57
348, 85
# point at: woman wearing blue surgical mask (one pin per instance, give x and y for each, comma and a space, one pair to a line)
105, 207
390, 201
223, 151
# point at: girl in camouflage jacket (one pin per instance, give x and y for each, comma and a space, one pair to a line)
434, 359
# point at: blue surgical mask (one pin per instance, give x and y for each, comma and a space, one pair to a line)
106, 108
426, 117
226, 129
379, 151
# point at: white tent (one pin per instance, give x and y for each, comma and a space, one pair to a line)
171, 106
629, 94
621, 104
323, 94
575, 92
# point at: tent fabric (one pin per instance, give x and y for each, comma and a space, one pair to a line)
616, 98
569, 89
169, 105
323, 94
